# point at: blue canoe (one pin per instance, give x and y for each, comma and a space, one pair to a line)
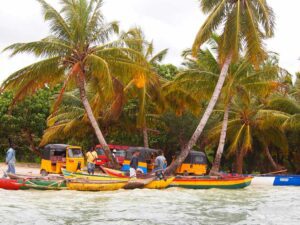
277, 180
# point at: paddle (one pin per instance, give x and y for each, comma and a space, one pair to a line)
275, 172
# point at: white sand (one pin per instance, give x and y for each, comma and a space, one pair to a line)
23, 168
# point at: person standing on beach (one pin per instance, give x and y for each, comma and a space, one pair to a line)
160, 162
10, 160
91, 156
134, 163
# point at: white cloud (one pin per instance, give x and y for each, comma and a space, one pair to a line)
170, 23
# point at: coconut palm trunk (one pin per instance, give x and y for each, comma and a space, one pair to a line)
93, 121
270, 158
240, 162
185, 151
217, 161
145, 136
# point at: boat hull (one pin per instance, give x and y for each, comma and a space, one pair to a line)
278, 180
43, 184
155, 184
103, 177
160, 184
211, 182
84, 186
10, 184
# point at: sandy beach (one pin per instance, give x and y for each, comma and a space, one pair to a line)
23, 168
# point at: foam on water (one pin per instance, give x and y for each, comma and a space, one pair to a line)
253, 205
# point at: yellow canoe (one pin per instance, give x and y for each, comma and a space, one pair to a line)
95, 185
99, 177
159, 184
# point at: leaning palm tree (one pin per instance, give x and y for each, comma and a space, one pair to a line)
242, 77
77, 50
243, 24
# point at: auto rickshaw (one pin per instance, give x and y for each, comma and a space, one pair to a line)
120, 152
194, 164
146, 158
57, 156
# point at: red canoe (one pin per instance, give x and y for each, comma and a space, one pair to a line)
10, 184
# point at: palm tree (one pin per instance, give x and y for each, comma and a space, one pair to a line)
147, 87
250, 121
77, 50
243, 78
243, 24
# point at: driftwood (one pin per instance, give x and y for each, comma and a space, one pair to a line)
138, 183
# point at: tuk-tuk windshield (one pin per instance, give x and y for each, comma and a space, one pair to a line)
75, 153
199, 159
120, 153
100, 151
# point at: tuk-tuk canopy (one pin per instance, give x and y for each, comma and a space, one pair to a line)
195, 157
54, 149
117, 147
145, 153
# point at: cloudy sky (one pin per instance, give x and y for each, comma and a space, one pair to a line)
169, 23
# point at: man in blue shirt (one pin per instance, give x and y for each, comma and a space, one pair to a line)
11, 160
134, 163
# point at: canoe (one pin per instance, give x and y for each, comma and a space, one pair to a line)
95, 185
103, 177
277, 180
154, 184
10, 184
114, 173
39, 177
205, 182
42, 184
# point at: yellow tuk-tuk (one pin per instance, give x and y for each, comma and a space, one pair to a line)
194, 164
57, 156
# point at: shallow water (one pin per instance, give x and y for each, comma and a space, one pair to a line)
253, 205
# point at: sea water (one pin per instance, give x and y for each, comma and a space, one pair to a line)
252, 205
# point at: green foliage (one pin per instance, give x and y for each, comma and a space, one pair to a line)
24, 122
166, 71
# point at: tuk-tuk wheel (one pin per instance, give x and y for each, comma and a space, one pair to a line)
44, 173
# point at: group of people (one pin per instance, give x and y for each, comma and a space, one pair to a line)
160, 163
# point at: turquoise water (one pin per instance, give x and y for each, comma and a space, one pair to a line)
253, 205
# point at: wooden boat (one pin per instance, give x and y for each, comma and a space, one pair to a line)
103, 177
276, 180
38, 177
39, 182
114, 173
94, 185
205, 182
154, 184
10, 184
42, 184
